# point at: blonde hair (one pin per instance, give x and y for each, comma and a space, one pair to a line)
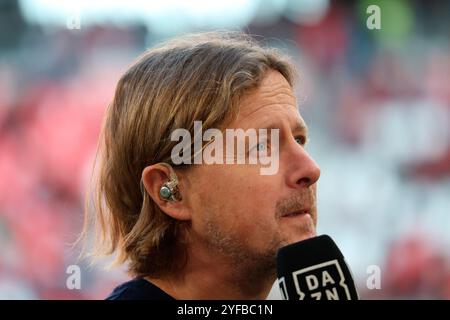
194, 77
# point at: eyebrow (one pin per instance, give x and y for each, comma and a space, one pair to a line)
301, 126
298, 126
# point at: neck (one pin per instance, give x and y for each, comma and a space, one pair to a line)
214, 277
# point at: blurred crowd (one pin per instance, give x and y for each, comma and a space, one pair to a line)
377, 103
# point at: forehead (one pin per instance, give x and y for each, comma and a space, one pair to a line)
271, 103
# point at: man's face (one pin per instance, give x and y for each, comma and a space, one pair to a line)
237, 211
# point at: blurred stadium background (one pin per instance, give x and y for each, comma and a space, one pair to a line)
377, 103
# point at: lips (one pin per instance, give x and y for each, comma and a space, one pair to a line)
296, 213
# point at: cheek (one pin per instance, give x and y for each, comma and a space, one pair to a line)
249, 208
240, 199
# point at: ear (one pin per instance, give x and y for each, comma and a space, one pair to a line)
153, 178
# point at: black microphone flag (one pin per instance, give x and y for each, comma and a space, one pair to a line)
314, 269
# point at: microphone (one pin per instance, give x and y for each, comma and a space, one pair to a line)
314, 269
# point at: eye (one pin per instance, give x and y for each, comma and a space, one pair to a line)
262, 146
301, 140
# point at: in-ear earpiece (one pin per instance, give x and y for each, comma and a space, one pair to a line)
165, 193
169, 190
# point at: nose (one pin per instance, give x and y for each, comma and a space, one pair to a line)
303, 171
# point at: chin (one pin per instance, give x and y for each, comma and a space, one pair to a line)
300, 237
